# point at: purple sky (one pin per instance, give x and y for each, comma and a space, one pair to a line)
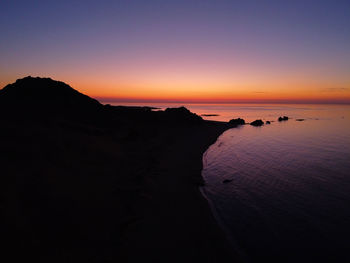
182, 50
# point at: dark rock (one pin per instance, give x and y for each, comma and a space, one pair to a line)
300, 119
238, 121
182, 114
257, 123
268, 122
209, 115
227, 181
284, 118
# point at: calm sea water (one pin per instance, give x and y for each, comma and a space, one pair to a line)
288, 199
288, 195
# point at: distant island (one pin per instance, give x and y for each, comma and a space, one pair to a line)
86, 182
209, 115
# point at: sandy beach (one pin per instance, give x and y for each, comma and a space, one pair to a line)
86, 182
177, 220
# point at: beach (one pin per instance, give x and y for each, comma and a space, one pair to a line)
178, 221
92, 182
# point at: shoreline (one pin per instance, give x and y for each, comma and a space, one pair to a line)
152, 210
89, 182
240, 253
178, 210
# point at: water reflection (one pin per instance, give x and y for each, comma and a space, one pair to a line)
288, 195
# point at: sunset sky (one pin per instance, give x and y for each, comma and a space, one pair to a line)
190, 51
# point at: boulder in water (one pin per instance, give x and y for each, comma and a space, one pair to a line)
238, 121
257, 123
284, 118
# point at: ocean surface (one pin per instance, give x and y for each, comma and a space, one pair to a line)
286, 197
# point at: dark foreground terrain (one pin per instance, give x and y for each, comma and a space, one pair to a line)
86, 182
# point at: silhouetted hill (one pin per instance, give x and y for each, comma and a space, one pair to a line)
183, 115
44, 96
82, 181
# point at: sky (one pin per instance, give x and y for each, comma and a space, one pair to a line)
182, 51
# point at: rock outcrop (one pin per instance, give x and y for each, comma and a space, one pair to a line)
257, 123
236, 122
284, 118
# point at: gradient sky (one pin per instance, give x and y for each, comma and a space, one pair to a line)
205, 51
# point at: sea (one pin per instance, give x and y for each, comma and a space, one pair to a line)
281, 192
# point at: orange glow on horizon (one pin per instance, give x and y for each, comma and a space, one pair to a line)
184, 52
209, 88
216, 93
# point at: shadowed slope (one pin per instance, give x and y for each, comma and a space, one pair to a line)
44, 96
81, 181
45, 91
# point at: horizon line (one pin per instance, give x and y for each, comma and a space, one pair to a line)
109, 100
